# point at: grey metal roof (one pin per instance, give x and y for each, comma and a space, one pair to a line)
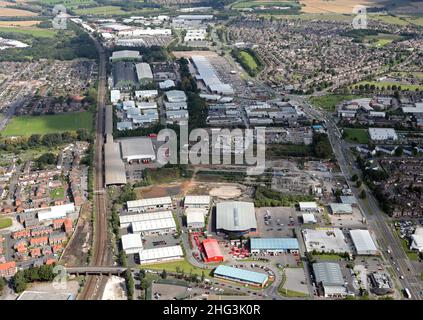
108, 128
143, 71
328, 273
363, 241
137, 147
114, 167
235, 216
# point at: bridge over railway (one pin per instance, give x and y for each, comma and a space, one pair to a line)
94, 270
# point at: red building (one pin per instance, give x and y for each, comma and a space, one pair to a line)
212, 251
7, 269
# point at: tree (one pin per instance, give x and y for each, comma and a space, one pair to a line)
354, 178
203, 276
19, 282
358, 184
3, 283
164, 274
144, 284
129, 284
399, 151
363, 194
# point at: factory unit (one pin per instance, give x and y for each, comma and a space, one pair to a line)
383, 134
195, 218
247, 277
340, 208
144, 73
308, 206
330, 240
329, 278
162, 254
309, 218
127, 219
176, 96
363, 242
197, 202
154, 226
137, 149
131, 243
417, 240
235, 217
212, 251
274, 246
54, 212
151, 204
115, 173
125, 55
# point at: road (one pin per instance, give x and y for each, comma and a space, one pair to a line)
377, 220
101, 253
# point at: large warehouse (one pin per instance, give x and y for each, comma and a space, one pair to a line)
115, 173
325, 240
310, 206
144, 205
162, 254
274, 245
236, 217
340, 208
212, 251
197, 202
195, 218
363, 242
131, 243
328, 276
126, 219
241, 275
137, 149
207, 74
154, 225
144, 73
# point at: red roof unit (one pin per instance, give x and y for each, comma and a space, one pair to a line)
212, 251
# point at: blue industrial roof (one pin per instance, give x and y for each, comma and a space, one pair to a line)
274, 244
241, 274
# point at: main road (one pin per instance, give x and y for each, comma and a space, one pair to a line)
101, 253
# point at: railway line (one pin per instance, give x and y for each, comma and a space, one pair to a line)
100, 248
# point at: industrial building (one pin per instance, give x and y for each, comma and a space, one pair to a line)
328, 276
348, 200
137, 149
309, 218
207, 74
124, 75
125, 55
144, 72
114, 96
363, 242
197, 202
144, 205
212, 251
381, 284
161, 254
131, 243
417, 240
325, 240
308, 206
156, 226
382, 134
176, 96
146, 94
341, 208
195, 218
274, 246
195, 35
235, 217
115, 173
240, 275
54, 212
127, 219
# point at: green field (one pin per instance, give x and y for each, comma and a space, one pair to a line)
382, 39
57, 193
259, 3
249, 59
103, 10
69, 3
330, 101
5, 223
33, 31
183, 265
27, 125
356, 135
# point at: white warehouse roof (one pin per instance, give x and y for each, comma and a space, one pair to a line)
144, 71
151, 225
304, 206
126, 219
135, 148
176, 96
235, 216
56, 212
131, 242
160, 253
149, 202
309, 218
114, 168
325, 240
417, 239
363, 242
195, 217
197, 200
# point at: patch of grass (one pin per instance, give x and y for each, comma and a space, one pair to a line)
5, 223
275, 151
57, 193
32, 31
291, 293
421, 276
27, 125
330, 101
327, 257
174, 266
355, 135
102, 10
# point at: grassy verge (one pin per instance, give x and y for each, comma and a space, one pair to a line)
330, 101
355, 135
178, 266
5, 223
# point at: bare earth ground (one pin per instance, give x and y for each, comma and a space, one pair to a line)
294, 277
115, 289
8, 12
335, 6
189, 54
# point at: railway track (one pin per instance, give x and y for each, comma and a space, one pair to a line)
93, 284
